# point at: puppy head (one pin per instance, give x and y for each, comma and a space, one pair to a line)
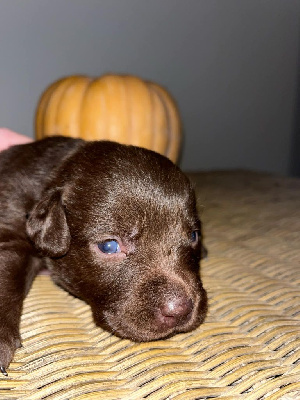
120, 227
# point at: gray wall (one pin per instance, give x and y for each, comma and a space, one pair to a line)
231, 65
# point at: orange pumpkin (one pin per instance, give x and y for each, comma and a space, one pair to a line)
121, 108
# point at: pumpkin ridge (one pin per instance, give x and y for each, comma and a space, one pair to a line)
153, 116
159, 137
54, 100
174, 122
168, 131
84, 92
42, 107
62, 104
129, 109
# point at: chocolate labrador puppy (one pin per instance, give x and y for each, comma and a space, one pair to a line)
115, 225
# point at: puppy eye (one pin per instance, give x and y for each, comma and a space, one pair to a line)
109, 246
194, 237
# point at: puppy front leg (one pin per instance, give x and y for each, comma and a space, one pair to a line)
16, 275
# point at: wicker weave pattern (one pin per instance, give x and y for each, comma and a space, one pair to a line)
249, 346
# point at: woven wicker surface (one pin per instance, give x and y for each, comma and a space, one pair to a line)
249, 346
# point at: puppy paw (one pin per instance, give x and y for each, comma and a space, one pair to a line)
8, 345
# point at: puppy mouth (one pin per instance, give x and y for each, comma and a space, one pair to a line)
142, 327
140, 334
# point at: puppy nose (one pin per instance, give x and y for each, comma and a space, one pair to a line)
176, 310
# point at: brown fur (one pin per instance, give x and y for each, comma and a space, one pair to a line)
60, 197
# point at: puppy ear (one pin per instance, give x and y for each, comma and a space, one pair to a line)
47, 226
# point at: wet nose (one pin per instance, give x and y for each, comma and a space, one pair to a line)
176, 310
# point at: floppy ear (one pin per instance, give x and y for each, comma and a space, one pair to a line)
47, 226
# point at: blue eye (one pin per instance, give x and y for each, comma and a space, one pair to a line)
109, 246
194, 236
